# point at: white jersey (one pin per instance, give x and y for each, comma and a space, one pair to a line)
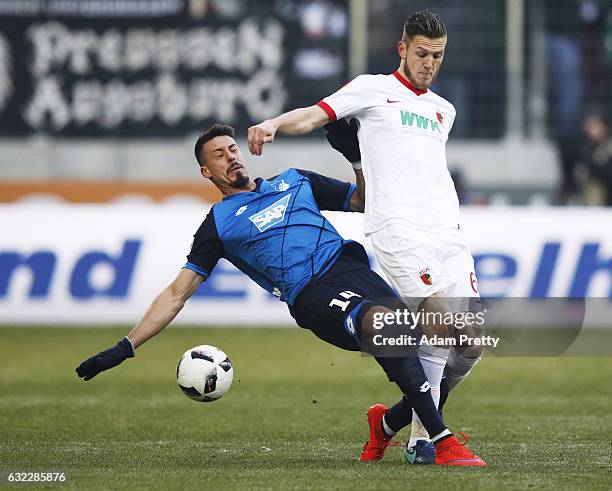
402, 138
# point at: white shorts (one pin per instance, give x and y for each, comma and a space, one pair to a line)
419, 263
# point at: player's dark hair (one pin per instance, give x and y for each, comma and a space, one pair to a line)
424, 23
217, 129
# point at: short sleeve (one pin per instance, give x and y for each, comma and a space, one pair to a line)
206, 249
452, 117
348, 100
329, 193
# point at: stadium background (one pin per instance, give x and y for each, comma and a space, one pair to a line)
100, 104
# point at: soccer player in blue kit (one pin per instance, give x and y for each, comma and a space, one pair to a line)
273, 231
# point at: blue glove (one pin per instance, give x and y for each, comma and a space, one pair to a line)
106, 359
342, 135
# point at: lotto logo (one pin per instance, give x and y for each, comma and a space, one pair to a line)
273, 214
349, 325
425, 387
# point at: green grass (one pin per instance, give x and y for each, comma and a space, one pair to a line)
294, 418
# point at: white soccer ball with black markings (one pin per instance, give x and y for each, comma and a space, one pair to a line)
204, 373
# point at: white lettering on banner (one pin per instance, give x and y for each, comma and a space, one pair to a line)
92, 8
78, 265
113, 103
236, 48
249, 49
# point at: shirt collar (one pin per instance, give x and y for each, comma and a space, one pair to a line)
408, 84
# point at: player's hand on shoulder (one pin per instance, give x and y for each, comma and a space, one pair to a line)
259, 135
106, 359
342, 136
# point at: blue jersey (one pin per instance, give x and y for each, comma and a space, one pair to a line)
275, 234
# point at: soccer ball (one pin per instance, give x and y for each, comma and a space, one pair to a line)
204, 373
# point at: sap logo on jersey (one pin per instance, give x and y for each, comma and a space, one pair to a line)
273, 214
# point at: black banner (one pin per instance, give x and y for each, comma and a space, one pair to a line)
95, 68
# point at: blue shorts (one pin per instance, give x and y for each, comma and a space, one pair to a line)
333, 305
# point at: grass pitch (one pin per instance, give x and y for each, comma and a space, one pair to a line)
294, 418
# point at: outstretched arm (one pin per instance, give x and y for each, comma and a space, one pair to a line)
165, 307
161, 312
296, 122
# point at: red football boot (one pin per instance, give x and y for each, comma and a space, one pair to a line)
451, 451
376, 446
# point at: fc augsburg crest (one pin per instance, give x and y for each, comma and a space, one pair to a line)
425, 275
441, 119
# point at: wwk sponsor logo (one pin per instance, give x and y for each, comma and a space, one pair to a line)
414, 120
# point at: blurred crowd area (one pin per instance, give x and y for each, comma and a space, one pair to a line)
110, 75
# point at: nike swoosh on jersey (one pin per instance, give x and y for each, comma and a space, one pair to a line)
391, 102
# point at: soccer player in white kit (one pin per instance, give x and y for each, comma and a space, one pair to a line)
411, 206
